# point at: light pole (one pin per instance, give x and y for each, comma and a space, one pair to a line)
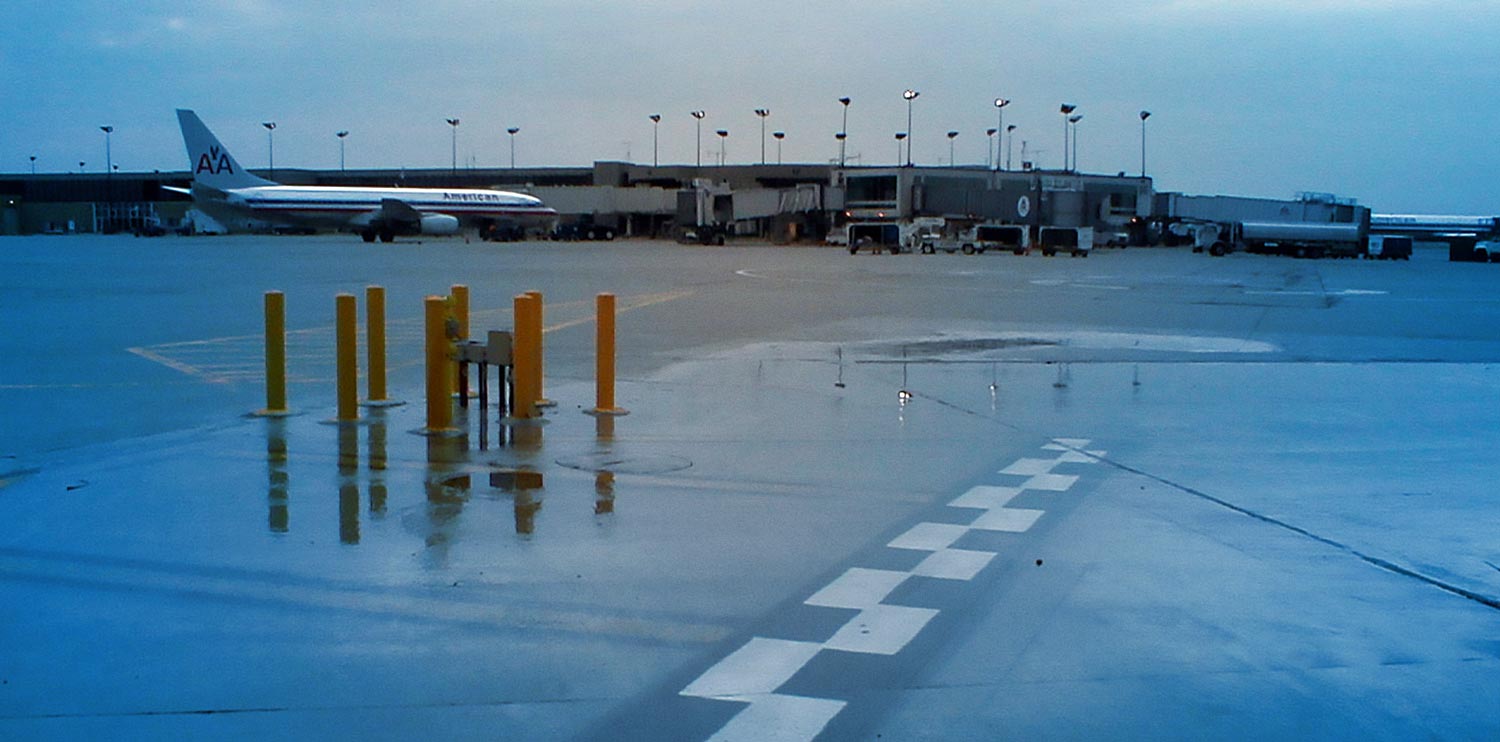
1000, 104
988, 150
699, 146
1144, 115
453, 125
270, 147
779, 135
723, 146
341, 136
1065, 109
512, 132
1074, 119
1010, 144
909, 95
843, 131
108, 158
762, 113
655, 128
900, 135
952, 162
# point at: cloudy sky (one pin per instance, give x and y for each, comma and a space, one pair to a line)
1391, 102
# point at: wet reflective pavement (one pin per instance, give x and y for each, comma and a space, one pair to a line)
1142, 495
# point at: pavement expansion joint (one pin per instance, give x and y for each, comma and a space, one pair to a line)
754, 673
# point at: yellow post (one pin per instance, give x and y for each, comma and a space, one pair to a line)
439, 363
459, 294
604, 355
375, 342
347, 357
524, 357
275, 308
541, 352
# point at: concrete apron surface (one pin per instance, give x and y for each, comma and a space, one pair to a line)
1053, 550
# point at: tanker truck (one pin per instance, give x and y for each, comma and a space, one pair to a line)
1297, 239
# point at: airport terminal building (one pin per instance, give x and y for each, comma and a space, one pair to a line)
782, 203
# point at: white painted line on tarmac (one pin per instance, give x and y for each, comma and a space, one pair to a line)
752, 673
881, 629
858, 588
779, 718
954, 564
1051, 482
759, 667
1065, 444
1074, 457
929, 537
985, 497
1030, 467
1009, 520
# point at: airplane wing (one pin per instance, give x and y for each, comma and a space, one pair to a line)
394, 211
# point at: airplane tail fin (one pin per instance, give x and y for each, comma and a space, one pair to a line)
209, 161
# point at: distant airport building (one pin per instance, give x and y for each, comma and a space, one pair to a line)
781, 203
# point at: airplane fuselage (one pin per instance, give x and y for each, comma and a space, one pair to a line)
336, 206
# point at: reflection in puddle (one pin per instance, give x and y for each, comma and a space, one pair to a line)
349, 512
526, 507
377, 462
604, 492
348, 483
278, 481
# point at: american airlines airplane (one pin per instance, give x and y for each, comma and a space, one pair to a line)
222, 188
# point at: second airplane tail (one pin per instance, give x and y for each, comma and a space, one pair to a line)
209, 160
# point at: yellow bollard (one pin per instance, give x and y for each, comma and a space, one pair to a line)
275, 308
604, 356
541, 352
439, 364
375, 345
459, 295
345, 323
524, 358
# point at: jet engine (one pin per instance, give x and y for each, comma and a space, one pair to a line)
439, 224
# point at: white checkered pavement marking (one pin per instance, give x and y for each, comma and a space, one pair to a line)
752, 673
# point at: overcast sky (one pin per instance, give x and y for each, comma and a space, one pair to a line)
1392, 102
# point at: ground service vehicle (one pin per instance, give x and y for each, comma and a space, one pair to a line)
875, 237
1297, 239
1389, 247
1076, 241
1012, 237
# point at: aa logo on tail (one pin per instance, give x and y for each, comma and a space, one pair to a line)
214, 162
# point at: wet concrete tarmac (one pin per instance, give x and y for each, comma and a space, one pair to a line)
1146, 494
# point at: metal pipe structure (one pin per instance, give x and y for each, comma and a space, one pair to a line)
1144, 115
526, 363
1000, 104
375, 356
347, 365
275, 310
909, 95
439, 365
604, 356
655, 129
844, 131
1065, 109
539, 343
458, 297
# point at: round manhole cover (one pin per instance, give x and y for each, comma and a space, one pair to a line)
655, 464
